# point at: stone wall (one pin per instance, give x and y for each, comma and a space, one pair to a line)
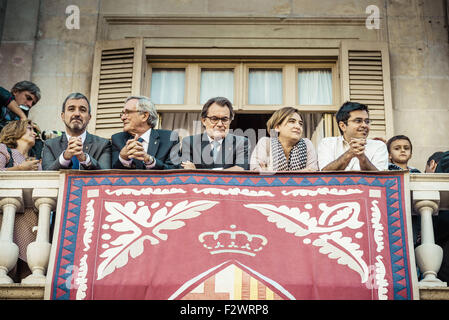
419, 58
19, 27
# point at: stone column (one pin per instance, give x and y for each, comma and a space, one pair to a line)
429, 255
38, 252
11, 202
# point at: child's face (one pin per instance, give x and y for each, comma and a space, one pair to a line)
400, 151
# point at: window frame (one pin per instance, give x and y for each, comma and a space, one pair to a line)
241, 67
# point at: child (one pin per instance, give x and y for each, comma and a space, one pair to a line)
400, 151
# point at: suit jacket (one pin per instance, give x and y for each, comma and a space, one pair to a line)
162, 146
98, 149
233, 152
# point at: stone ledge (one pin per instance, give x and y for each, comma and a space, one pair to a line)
17, 291
432, 293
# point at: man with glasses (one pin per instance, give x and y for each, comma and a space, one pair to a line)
140, 146
216, 148
352, 150
76, 148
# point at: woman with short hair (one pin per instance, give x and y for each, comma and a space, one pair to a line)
16, 140
285, 149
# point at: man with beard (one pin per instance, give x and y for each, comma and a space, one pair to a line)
76, 148
352, 150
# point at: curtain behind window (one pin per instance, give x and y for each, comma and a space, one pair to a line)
265, 86
216, 83
167, 86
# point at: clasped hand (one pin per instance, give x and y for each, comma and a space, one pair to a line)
75, 148
133, 149
357, 147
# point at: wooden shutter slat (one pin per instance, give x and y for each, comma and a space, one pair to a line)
365, 82
117, 76
364, 62
113, 62
367, 92
126, 71
365, 77
367, 87
365, 67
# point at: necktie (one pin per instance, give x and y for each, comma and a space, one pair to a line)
215, 144
140, 140
75, 163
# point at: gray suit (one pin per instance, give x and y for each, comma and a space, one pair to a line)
98, 149
233, 152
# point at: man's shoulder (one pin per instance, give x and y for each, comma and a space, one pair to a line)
97, 138
164, 133
53, 141
330, 140
119, 135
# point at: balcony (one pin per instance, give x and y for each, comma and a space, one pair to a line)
20, 191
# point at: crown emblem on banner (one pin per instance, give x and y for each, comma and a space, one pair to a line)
232, 241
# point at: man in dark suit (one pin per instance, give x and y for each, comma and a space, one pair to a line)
140, 146
76, 148
216, 148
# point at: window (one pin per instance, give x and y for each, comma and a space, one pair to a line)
265, 86
252, 86
167, 86
216, 83
255, 87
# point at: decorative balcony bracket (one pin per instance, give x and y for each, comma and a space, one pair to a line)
429, 255
38, 252
11, 201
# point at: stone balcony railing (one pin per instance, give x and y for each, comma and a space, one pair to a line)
39, 190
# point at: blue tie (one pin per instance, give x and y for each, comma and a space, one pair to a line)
75, 163
140, 140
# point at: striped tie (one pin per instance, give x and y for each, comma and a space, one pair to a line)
216, 144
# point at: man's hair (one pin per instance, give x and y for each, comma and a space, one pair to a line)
13, 131
75, 96
144, 104
343, 113
221, 101
27, 86
398, 137
279, 116
435, 157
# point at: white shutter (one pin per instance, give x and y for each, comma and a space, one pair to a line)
118, 72
365, 69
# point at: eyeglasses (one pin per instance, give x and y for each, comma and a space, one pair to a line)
128, 112
215, 120
359, 121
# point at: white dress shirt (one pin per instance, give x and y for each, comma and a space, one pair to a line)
331, 148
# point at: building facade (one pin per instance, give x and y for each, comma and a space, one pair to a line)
390, 54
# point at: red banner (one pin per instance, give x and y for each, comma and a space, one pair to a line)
209, 235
